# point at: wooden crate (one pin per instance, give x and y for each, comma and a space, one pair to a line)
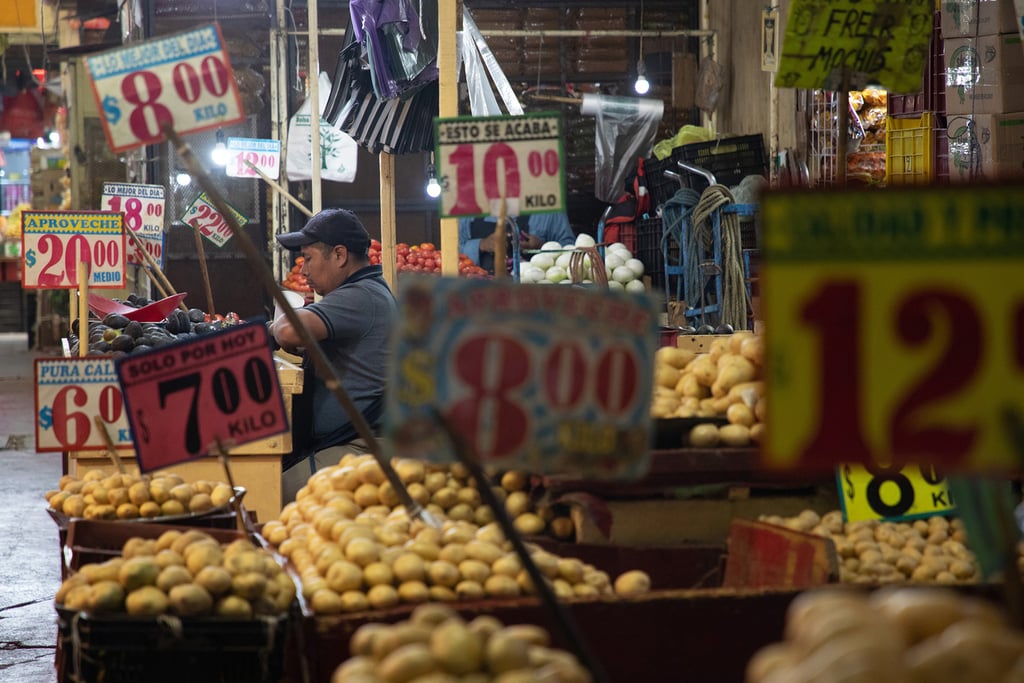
255, 466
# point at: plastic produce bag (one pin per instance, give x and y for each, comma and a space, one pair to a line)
625, 129
480, 62
684, 136
338, 151
710, 82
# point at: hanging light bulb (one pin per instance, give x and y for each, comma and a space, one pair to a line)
219, 154
182, 179
642, 85
433, 188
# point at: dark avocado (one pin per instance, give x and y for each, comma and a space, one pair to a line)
133, 329
195, 315
115, 320
122, 342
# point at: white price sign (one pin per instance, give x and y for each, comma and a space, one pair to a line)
184, 80
70, 392
263, 154
204, 217
143, 209
482, 160
54, 242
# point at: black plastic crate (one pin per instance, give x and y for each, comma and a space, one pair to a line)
730, 160
648, 250
125, 649
661, 187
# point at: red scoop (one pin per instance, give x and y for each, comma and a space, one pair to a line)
153, 313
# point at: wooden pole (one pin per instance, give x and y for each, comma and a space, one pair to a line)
111, 449
280, 190
448, 107
201, 250
387, 220
500, 244
313, 21
83, 309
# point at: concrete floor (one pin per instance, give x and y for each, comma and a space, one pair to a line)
29, 550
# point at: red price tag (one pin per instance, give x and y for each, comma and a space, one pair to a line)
184, 80
548, 379
183, 398
143, 209
484, 159
70, 392
204, 217
895, 327
54, 242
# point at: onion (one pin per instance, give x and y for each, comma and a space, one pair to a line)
563, 260
636, 265
584, 240
532, 274
551, 246
613, 261
616, 286
556, 274
623, 274
544, 281
542, 261
635, 286
614, 246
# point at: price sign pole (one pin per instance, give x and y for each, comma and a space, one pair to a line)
83, 309
243, 520
279, 189
159, 279
501, 244
201, 251
111, 449
323, 366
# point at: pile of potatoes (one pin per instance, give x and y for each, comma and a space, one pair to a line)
922, 551
725, 382
100, 495
897, 634
354, 551
186, 573
437, 646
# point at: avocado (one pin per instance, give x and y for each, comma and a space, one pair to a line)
133, 329
195, 315
115, 320
122, 342
142, 348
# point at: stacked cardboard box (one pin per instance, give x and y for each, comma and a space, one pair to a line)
984, 61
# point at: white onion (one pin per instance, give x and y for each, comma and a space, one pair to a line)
566, 281
544, 281
563, 260
635, 286
616, 286
623, 274
551, 246
621, 250
542, 261
636, 265
614, 246
613, 261
556, 274
584, 240
532, 274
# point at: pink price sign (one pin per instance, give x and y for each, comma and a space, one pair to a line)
143, 209
183, 398
484, 159
69, 393
54, 242
183, 80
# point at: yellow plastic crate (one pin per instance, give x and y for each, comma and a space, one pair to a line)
909, 153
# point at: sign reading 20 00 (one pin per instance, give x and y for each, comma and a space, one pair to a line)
182, 80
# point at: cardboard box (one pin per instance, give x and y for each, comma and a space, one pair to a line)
969, 18
986, 146
984, 75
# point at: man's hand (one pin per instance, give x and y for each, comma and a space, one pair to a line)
487, 243
528, 241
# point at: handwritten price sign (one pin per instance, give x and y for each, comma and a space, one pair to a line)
204, 217
548, 379
53, 243
184, 80
69, 393
143, 209
893, 493
484, 159
895, 327
263, 154
183, 397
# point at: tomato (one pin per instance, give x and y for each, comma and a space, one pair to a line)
375, 244
429, 263
427, 246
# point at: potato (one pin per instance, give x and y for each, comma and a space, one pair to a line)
740, 414
734, 435
704, 436
633, 582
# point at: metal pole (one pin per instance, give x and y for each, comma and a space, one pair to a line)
313, 47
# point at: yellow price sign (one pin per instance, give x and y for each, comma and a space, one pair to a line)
895, 327
893, 494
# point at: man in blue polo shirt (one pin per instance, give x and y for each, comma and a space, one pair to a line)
352, 323
476, 235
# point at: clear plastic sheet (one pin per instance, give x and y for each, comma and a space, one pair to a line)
625, 130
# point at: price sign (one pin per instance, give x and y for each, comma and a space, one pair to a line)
143, 209
183, 397
53, 243
184, 80
204, 217
70, 392
893, 493
841, 44
547, 379
484, 159
895, 327
263, 154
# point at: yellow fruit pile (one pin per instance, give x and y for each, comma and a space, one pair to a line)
354, 551
725, 382
12, 224
922, 551
893, 634
435, 644
98, 495
187, 573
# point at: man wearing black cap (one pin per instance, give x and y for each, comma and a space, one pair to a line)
353, 324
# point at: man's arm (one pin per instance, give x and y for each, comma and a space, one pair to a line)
552, 227
288, 337
472, 247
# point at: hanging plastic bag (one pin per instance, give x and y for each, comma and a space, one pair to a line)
625, 129
480, 62
710, 82
338, 151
